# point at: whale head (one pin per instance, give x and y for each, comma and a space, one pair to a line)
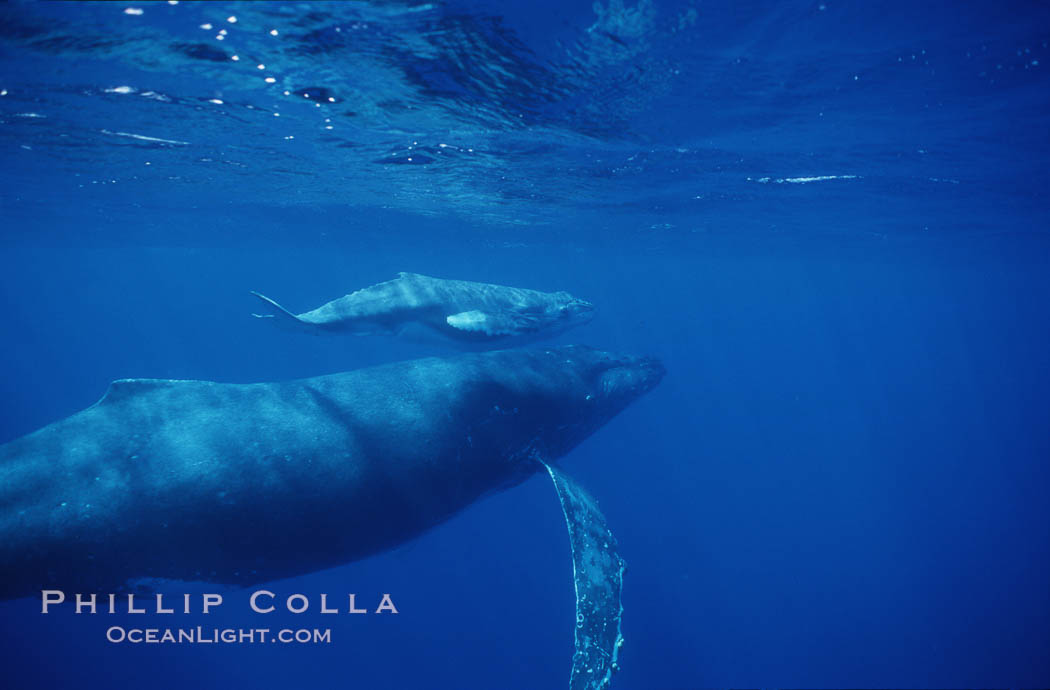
558, 396
568, 312
611, 381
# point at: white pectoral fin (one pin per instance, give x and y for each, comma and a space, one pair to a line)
489, 323
470, 321
598, 575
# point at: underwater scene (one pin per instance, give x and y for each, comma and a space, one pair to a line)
653, 344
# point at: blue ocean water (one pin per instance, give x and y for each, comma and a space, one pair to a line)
829, 220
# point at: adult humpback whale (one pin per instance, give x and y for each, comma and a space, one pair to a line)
245, 483
458, 310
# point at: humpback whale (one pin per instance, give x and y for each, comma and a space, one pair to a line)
246, 483
456, 310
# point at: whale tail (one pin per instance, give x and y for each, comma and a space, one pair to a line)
282, 317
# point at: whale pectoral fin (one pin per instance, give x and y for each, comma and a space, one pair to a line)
471, 321
598, 574
489, 323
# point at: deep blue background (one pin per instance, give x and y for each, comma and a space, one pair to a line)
842, 481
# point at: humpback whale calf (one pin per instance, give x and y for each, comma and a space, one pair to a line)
246, 483
457, 310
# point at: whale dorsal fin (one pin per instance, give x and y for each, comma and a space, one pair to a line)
597, 571
121, 389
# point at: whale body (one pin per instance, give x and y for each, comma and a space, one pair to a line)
246, 483
457, 311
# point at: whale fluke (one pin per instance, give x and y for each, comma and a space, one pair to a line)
282, 315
